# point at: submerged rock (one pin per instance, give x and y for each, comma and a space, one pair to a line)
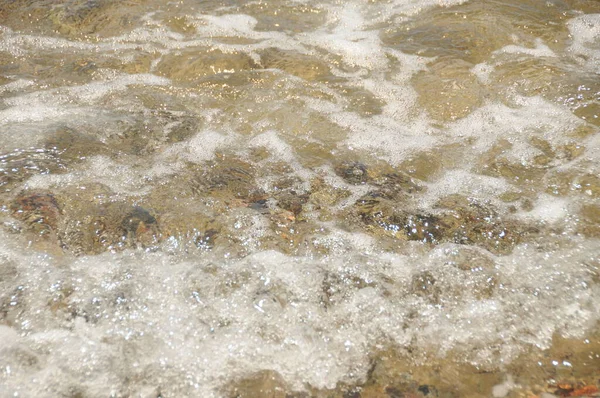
266, 383
352, 172
292, 201
226, 178
394, 183
140, 227
456, 220
423, 284
194, 64
425, 228
448, 90
21, 164
93, 223
300, 65
39, 211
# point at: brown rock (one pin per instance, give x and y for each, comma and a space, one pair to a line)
39, 211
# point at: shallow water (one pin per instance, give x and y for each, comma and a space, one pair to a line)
299, 198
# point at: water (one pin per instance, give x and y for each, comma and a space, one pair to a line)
299, 198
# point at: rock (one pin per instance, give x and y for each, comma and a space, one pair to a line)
324, 195
448, 90
291, 201
470, 259
352, 172
425, 228
265, 383
194, 64
469, 222
206, 240
456, 219
300, 65
589, 220
227, 178
374, 209
140, 227
39, 211
359, 100
394, 183
93, 224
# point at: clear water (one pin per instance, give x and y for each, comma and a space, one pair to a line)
309, 197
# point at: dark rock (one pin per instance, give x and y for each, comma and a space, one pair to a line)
393, 392
394, 183
138, 217
428, 390
354, 393
206, 240
424, 228
259, 205
291, 201
353, 172
140, 227
227, 178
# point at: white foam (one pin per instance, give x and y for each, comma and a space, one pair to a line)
36, 113
502, 390
189, 325
482, 71
585, 30
19, 45
199, 148
550, 209
460, 181
119, 177
492, 122
59, 103
16, 85
540, 50
350, 39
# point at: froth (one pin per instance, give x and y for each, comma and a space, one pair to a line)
190, 320
56, 104
540, 50
585, 30
494, 121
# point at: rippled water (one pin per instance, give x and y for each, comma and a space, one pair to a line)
299, 198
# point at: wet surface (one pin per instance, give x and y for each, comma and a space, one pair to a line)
275, 199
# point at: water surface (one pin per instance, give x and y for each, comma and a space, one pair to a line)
300, 198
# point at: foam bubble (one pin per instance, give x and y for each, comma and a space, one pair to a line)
463, 182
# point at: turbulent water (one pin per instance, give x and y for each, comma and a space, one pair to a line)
220, 198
